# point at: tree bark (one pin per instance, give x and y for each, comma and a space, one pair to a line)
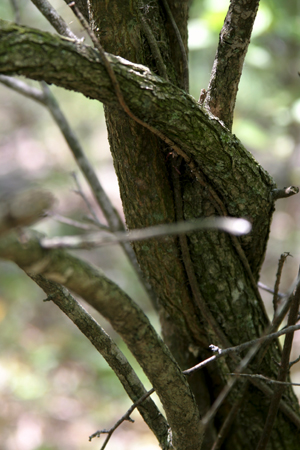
217, 177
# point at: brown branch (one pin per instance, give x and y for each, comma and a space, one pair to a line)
270, 290
284, 192
152, 44
55, 19
110, 352
126, 416
263, 378
185, 64
241, 398
281, 262
127, 319
228, 65
283, 371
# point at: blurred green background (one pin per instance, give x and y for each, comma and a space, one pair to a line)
55, 388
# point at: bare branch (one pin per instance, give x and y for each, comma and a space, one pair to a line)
283, 371
110, 352
180, 44
228, 65
80, 192
127, 319
281, 262
228, 224
241, 347
23, 88
284, 192
263, 378
150, 97
72, 222
126, 416
55, 19
270, 290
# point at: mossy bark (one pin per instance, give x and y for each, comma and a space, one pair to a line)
143, 164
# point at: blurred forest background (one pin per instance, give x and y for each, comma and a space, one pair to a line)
55, 388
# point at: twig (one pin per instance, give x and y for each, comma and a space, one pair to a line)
126, 416
228, 224
85, 199
263, 378
23, 88
185, 63
283, 370
153, 44
110, 352
270, 290
55, 19
231, 416
284, 192
281, 262
71, 222
241, 347
113, 218
292, 363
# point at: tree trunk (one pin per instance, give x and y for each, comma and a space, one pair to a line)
205, 284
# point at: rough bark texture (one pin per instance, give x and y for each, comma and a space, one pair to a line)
222, 178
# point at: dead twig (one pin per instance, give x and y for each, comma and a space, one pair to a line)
281, 262
283, 371
228, 224
80, 192
126, 416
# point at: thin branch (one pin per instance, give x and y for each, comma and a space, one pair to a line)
292, 363
228, 65
23, 88
126, 416
241, 347
283, 371
72, 222
228, 224
112, 216
284, 192
152, 44
126, 318
185, 63
55, 19
263, 378
85, 199
281, 262
270, 290
110, 352
241, 397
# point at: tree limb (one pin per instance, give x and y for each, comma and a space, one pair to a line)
110, 352
127, 319
228, 65
38, 55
